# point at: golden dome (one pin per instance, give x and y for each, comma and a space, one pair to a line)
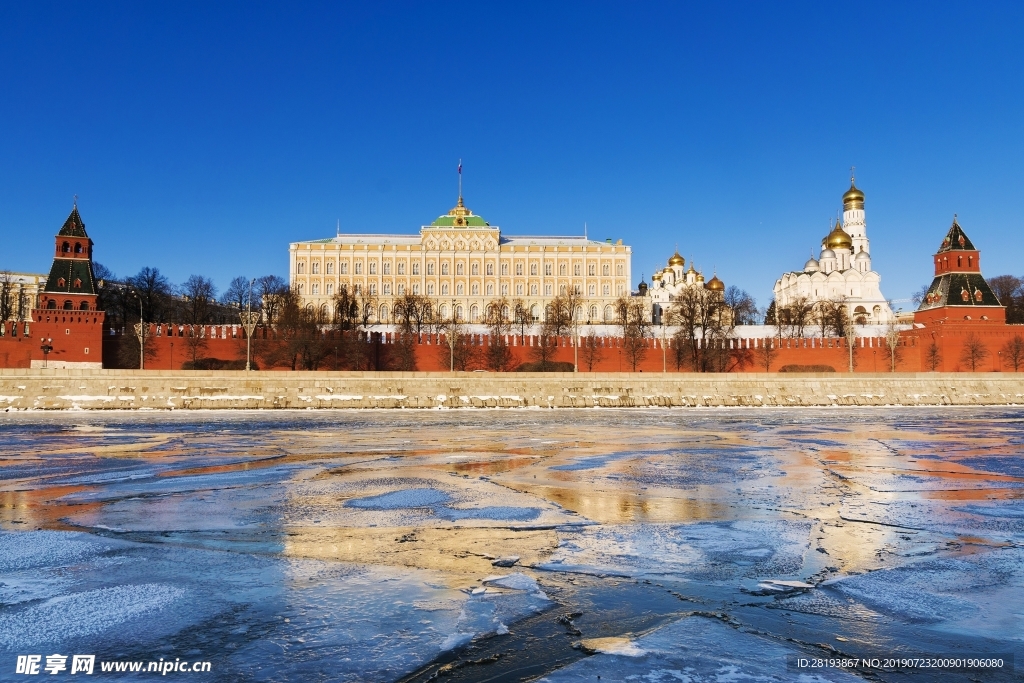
715, 284
854, 198
677, 260
656, 276
700, 277
839, 239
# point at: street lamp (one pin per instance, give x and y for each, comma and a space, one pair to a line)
140, 332
249, 323
46, 347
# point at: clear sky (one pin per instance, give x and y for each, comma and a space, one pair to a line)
203, 138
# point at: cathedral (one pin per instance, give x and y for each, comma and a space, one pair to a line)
842, 272
667, 284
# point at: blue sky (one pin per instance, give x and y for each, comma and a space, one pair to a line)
203, 138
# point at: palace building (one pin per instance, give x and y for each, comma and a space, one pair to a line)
462, 263
842, 272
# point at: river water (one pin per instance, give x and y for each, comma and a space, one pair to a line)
648, 545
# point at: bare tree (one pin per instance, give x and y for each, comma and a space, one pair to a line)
6, 296
1010, 292
593, 353
522, 318
704, 325
632, 318
1013, 352
195, 310
933, 356
273, 294
499, 325
236, 296
742, 306
796, 316
766, 353
892, 344
973, 351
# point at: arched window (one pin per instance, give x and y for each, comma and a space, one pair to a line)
618, 269
490, 290
606, 270
298, 288
444, 268
519, 269
387, 288
401, 267
504, 290
458, 312
78, 247
547, 269
458, 268
384, 313
330, 268
593, 312
519, 290
430, 288
387, 267
444, 289
373, 289
592, 290
475, 289
344, 268
84, 306
504, 269
373, 267
65, 248
401, 289
69, 305
300, 267
533, 269
316, 267
547, 290
474, 313
442, 311
52, 303
534, 312
505, 313
359, 267
475, 268
415, 269
561, 269
606, 290
591, 269
533, 290
576, 269
459, 289
329, 291
490, 269
314, 288
430, 269
608, 315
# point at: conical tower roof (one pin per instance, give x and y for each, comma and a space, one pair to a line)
73, 226
956, 239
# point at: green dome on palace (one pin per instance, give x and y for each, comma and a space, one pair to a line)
460, 217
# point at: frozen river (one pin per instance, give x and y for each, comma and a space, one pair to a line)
645, 545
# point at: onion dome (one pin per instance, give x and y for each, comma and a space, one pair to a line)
715, 285
811, 265
827, 253
700, 278
642, 287
862, 256
656, 276
839, 239
677, 260
854, 198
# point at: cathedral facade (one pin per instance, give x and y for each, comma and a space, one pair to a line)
668, 284
461, 263
842, 272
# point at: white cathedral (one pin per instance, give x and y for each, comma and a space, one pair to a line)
842, 272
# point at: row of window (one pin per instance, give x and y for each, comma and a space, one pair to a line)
460, 289
577, 269
383, 314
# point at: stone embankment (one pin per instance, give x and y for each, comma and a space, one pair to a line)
61, 389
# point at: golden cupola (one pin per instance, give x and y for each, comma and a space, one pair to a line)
714, 284
677, 260
854, 198
839, 239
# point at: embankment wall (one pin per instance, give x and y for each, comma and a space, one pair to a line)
49, 389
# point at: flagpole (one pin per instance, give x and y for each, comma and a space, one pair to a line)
460, 178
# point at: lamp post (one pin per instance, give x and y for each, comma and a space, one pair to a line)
249, 323
46, 347
451, 338
140, 332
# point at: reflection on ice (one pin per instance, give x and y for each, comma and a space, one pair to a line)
690, 546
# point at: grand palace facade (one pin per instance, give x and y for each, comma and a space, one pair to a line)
461, 264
